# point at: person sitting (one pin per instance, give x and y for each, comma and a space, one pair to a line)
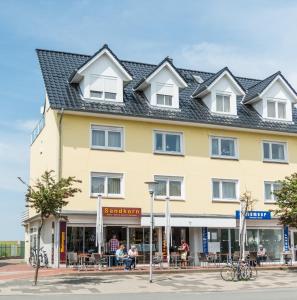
261, 255
122, 257
132, 254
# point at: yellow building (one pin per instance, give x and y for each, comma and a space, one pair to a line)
205, 138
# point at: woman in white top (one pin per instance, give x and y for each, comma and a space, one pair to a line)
132, 254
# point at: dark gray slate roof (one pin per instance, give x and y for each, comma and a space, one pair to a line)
204, 85
57, 67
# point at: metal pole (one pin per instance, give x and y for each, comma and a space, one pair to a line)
151, 239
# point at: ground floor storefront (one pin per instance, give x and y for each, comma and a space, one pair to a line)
206, 235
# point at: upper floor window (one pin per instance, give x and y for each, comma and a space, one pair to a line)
164, 100
164, 94
276, 109
107, 184
110, 138
225, 189
103, 88
223, 147
274, 151
270, 188
168, 142
169, 186
223, 103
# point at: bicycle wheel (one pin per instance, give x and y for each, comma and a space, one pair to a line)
253, 273
227, 273
244, 272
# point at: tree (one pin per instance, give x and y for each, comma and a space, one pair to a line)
286, 201
246, 205
48, 196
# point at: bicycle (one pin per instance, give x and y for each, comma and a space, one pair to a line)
238, 271
43, 259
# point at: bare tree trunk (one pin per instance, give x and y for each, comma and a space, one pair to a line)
38, 250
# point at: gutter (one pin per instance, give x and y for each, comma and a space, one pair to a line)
60, 145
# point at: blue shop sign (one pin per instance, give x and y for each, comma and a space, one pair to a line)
286, 238
205, 239
255, 215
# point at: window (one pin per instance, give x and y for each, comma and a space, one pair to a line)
167, 142
274, 151
164, 100
107, 184
103, 88
107, 137
223, 147
276, 109
164, 94
169, 186
270, 188
223, 103
223, 189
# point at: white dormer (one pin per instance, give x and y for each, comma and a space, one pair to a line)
274, 100
102, 77
219, 93
161, 87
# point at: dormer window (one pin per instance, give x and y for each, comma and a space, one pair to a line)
103, 87
164, 100
276, 109
223, 103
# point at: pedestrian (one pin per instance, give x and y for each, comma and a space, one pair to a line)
184, 251
114, 244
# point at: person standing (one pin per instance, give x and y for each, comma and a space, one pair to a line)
114, 244
184, 251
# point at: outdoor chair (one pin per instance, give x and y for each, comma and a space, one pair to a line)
72, 259
191, 261
202, 258
98, 260
158, 259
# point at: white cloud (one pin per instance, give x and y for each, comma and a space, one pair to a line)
212, 57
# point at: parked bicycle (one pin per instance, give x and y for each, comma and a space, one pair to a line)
241, 270
43, 259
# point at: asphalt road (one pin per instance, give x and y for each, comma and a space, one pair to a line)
273, 294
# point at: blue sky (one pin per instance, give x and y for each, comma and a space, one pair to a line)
252, 38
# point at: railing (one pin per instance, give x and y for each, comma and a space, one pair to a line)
12, 250
36, 131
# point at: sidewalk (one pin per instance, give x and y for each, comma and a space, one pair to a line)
17, 269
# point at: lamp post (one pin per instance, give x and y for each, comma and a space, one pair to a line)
242, 225
167, 230
151, 189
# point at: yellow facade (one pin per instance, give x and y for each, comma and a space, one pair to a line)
138, 162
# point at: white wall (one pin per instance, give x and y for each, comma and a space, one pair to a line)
164, 76
103, 66
224, 86
278, 91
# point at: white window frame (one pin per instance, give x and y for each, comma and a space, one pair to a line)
220, 199
220, 138
285, 144
106, 129
104, 90
272, 200
276, 101
164, 133
106, 175
223, 94
164, 95
168, 179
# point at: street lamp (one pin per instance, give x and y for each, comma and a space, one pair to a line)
151, 188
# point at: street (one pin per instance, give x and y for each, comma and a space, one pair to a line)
277, 294
273, 284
